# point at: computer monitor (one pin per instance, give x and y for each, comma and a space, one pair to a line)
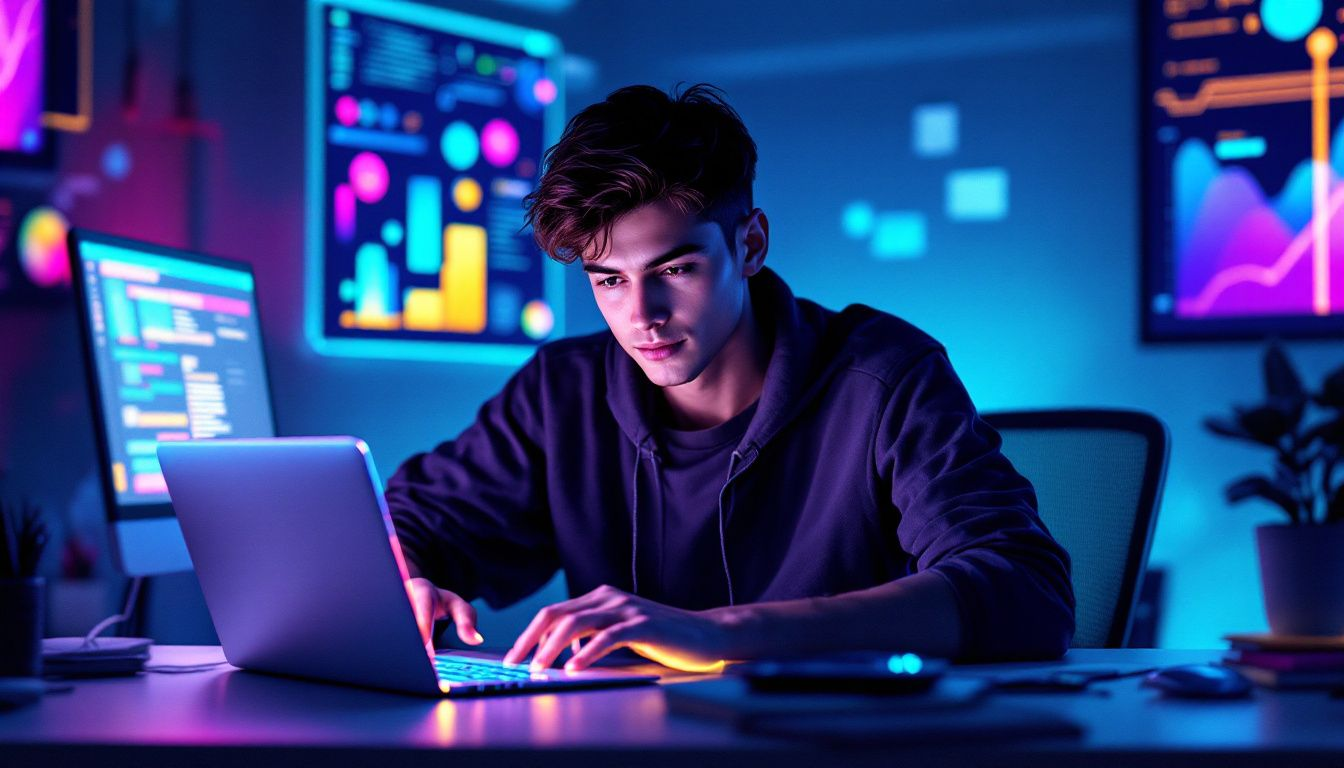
172, 347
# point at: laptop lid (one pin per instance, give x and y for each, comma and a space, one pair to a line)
298, 560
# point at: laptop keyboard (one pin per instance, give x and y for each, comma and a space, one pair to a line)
458, 670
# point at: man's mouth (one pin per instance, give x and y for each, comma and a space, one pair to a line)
659, 351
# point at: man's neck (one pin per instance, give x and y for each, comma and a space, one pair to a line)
731, 382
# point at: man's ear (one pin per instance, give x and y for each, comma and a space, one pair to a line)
753, 236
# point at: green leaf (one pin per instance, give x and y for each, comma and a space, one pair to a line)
1266, 424
1281, 379
1259, 486
1332, 391
1334, 513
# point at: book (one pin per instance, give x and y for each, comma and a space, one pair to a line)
1289, 661
1273, 678
1264, 641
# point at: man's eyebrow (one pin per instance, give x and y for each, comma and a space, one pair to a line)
675, 253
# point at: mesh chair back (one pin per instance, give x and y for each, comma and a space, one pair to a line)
1098, 476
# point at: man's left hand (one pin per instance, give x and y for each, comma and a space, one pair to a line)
611, 619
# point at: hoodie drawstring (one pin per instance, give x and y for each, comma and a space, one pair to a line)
640, 451
723, 541
634, 521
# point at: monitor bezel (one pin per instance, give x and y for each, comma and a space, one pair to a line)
115, 511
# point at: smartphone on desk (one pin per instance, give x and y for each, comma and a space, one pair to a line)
853, 672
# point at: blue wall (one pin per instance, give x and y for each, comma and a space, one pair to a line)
1037, 310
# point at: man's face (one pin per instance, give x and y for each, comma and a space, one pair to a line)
670, 289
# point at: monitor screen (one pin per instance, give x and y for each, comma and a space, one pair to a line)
1243, 155
22, 81
175, 353
426, 129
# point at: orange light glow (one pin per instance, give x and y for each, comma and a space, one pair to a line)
676, 660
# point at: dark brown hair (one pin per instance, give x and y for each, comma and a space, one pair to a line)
639, 146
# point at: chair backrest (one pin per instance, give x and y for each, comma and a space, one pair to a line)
1098, 476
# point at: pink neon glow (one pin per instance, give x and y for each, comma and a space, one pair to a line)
347, 110
499, 143
368, 177
118, 270
172, 437
151, 369
1253, 273
189, 300
149, 483
544, 90
343, 211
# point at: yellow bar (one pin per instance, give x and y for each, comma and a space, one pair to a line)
462, 280
119, 476
423, 310
154, 419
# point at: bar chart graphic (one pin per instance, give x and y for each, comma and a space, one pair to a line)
426, 133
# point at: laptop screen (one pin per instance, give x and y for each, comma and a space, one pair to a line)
175, 350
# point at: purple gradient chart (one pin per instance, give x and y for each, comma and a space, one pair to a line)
1243, 160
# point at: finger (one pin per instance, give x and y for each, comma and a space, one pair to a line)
464, 619
422, 603
535, 632
568, 629
604, 642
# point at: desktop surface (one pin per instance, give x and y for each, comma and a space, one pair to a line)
247, 717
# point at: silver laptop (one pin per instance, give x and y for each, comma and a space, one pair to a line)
303, 575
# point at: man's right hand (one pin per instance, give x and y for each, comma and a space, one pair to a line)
431, 604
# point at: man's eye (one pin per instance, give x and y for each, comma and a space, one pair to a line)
676, 270
608, 282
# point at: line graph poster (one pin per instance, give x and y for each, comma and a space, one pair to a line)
1244, 167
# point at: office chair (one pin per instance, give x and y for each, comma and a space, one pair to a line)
1098, 476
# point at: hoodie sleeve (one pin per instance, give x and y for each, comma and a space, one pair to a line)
966, 514
472, 514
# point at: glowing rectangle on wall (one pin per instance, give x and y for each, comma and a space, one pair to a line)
449, 116
977, 194
463, 279
899, 235
424, 222
937, 129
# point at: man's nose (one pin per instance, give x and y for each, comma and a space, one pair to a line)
648, 310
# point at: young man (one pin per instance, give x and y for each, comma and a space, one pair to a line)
728, 472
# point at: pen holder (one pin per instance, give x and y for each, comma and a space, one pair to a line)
21, 627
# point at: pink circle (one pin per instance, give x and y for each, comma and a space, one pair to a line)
499, 143
368, 177
347, 110
544, 90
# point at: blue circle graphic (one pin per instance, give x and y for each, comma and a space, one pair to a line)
460, 145
1290, 19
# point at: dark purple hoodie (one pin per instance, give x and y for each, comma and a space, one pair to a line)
865, 461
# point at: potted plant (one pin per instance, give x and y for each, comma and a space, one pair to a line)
1302, 560
23, 537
